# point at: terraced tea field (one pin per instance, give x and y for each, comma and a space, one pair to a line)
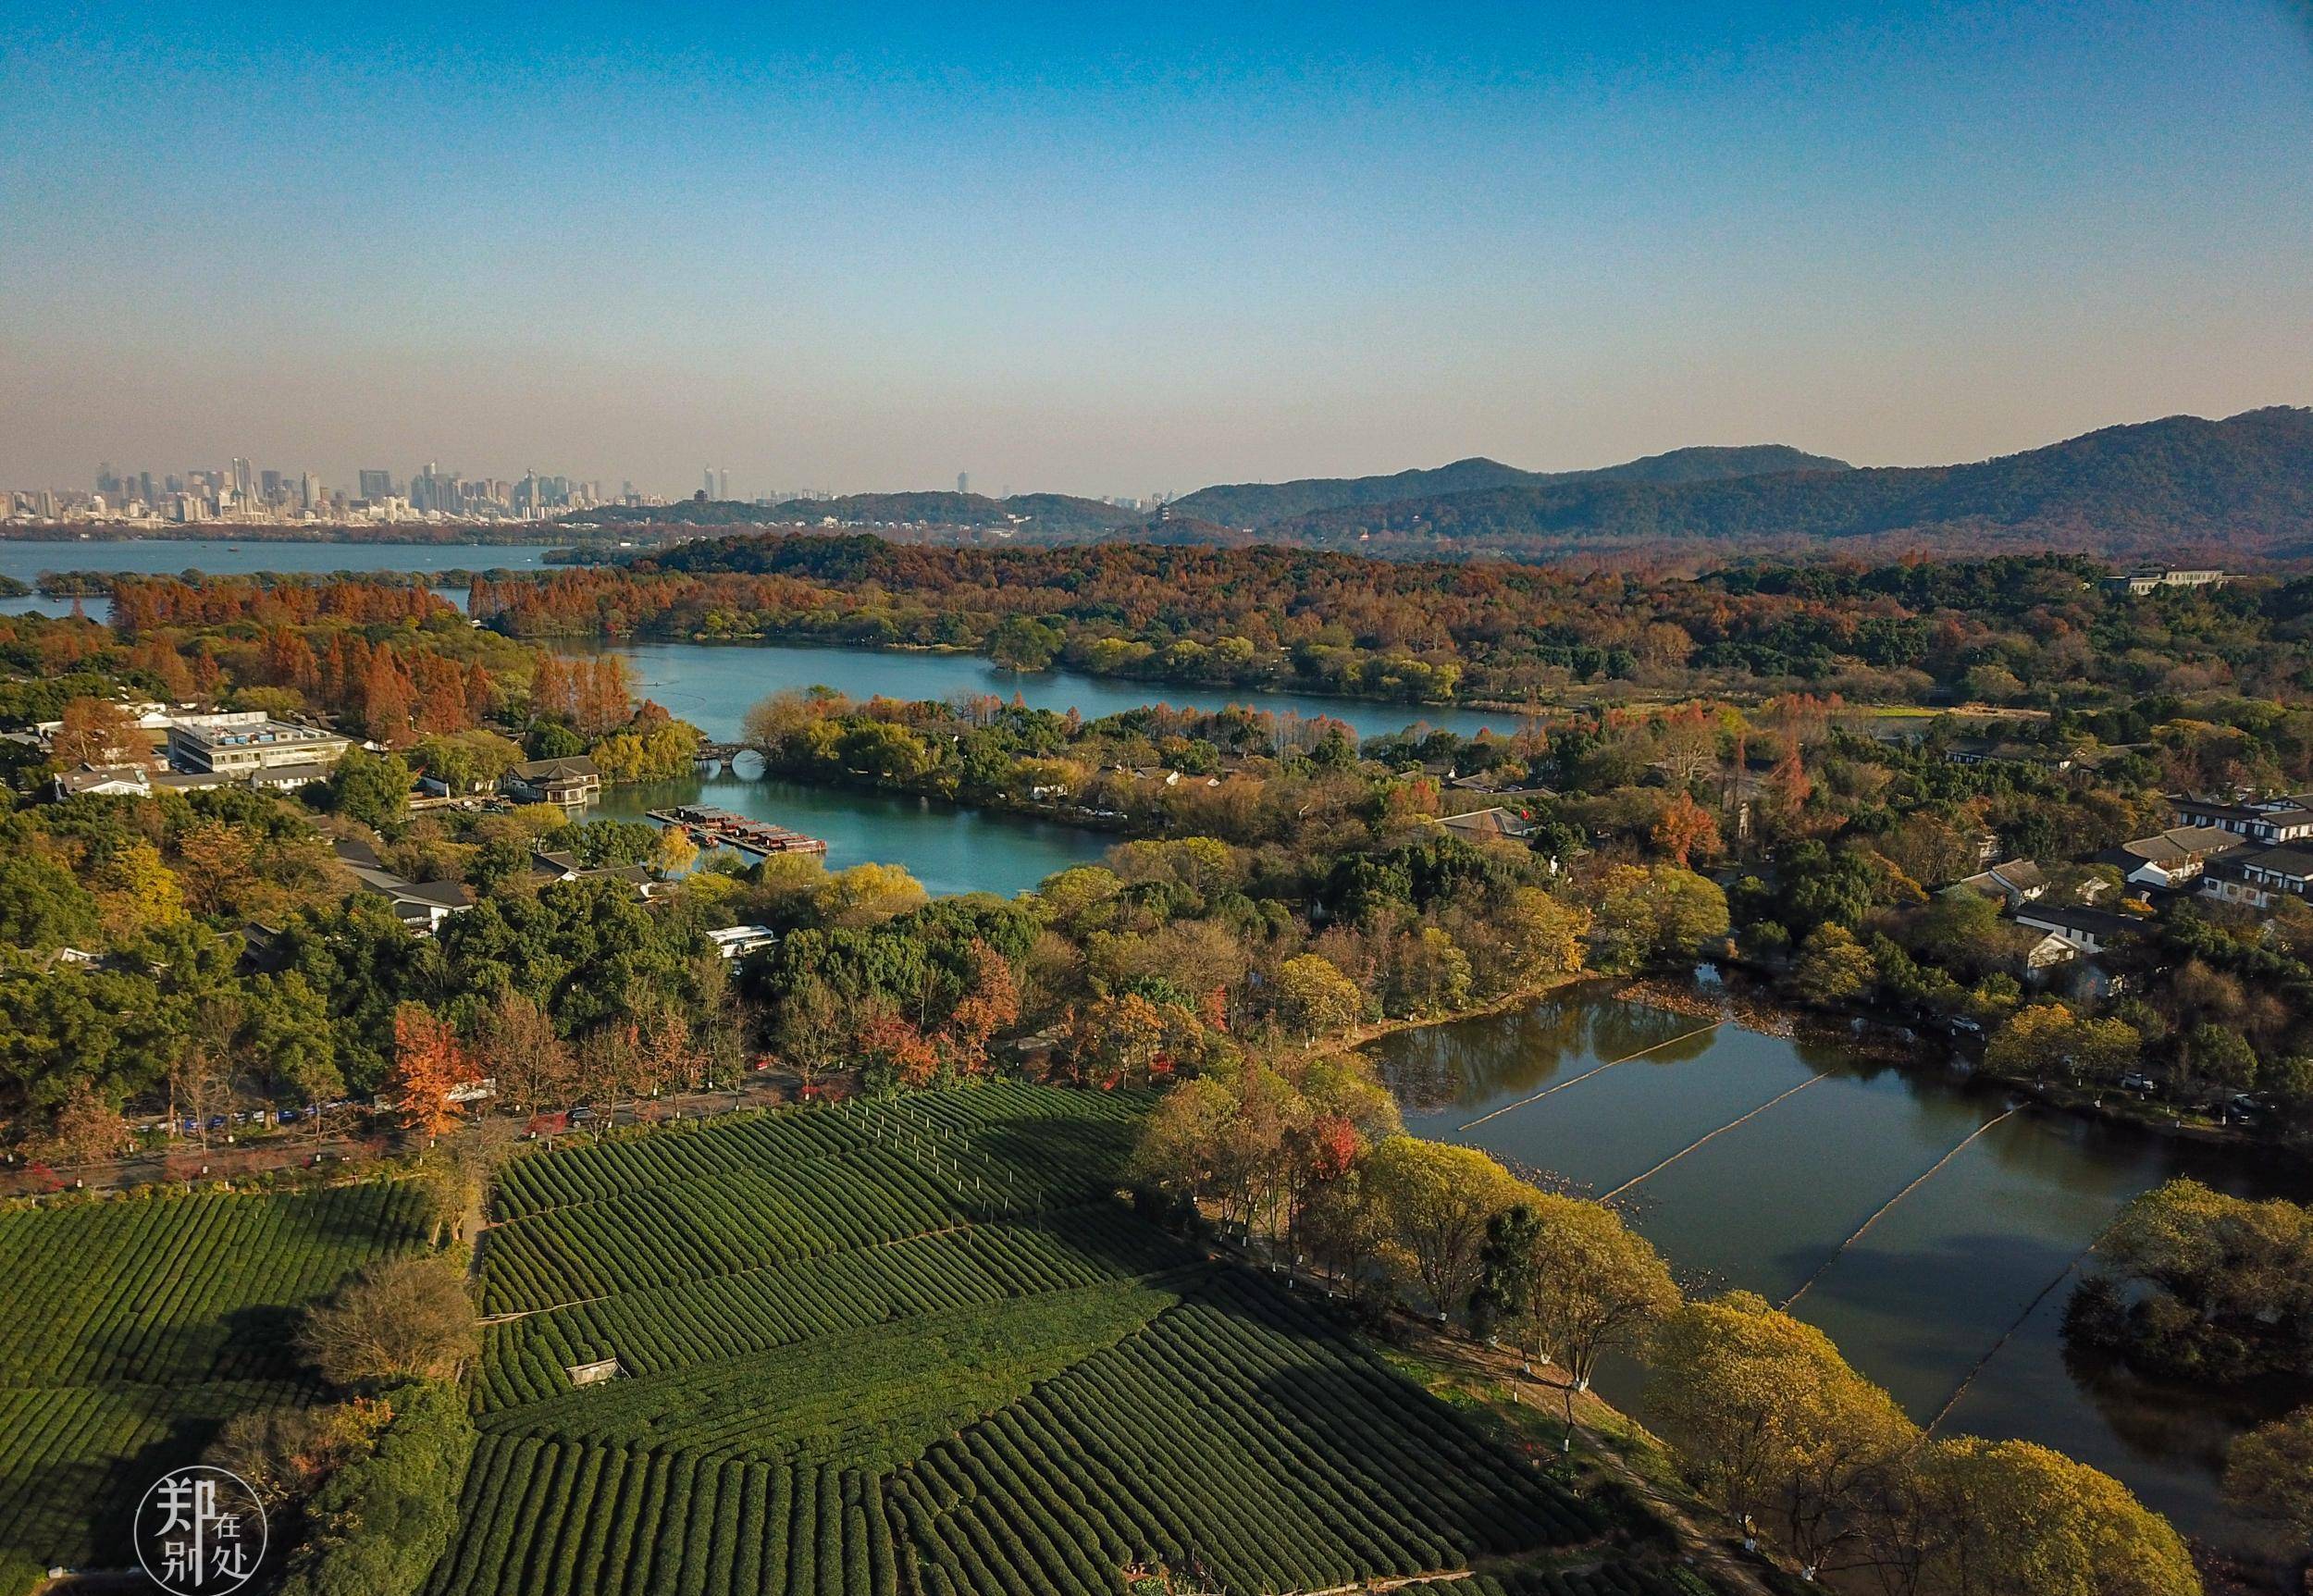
134, 1328
923, 1347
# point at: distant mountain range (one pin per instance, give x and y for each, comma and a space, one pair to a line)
2244, 484
1262, 504
2241, 486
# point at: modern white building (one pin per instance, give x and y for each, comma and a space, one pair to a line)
248, 742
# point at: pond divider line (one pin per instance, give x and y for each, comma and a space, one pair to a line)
1600, 1070
1880, 1212
1699, 1141
2010, 1334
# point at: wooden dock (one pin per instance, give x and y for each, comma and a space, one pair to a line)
720, 828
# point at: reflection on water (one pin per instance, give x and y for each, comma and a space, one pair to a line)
712, 686
948, 849
1477, 1063
1924, 1254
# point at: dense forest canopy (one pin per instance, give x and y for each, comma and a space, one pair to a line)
2030, 630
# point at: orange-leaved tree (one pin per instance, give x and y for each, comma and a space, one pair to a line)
429, 1063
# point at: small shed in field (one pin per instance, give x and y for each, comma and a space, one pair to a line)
594, 1373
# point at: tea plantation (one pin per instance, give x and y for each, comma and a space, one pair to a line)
923, 1348
134, 1328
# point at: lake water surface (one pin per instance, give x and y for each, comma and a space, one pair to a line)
1973, 1220
948, 848
712, 686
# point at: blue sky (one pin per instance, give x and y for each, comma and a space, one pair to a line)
1123, 248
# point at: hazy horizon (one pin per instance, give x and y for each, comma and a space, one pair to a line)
1112, 254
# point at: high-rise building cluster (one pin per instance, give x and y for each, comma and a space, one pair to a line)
241, 493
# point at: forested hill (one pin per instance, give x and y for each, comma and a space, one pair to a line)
1259, 504
2243, 486
2232, 491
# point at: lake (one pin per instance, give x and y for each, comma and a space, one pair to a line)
948, 848
1757, 1159
712, 684
26, 558
708, 684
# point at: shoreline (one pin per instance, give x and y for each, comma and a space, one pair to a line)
1792, 1022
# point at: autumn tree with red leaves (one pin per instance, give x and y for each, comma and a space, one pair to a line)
429, 1063
1686, 830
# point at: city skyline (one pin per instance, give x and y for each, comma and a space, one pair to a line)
244, 490
1076, 254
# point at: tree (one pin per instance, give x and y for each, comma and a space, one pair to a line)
1316, 999
2031, 1522
990, 1004
136, 890
1179, 1147
372, 788
285, 1452
1773, 1422
2269, 1479
867, 895
402, 1319
2047, 1037
673, 853
665, 1053
1832, 965
215, 862
1546, 934
532, 1064
1686, 830
83, 1128
1660, 911
429, 1065
1023, 643
2224, 1256
286, 1030
894, 1056
1124, 1039
1574, 1280
379, 1523
2221, 1058
201, 1067
1438, 1200
98, 732
808, 1027
42, 907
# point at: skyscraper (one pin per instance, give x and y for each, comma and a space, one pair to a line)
711, 482
963, 482
377, 484
722, 484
